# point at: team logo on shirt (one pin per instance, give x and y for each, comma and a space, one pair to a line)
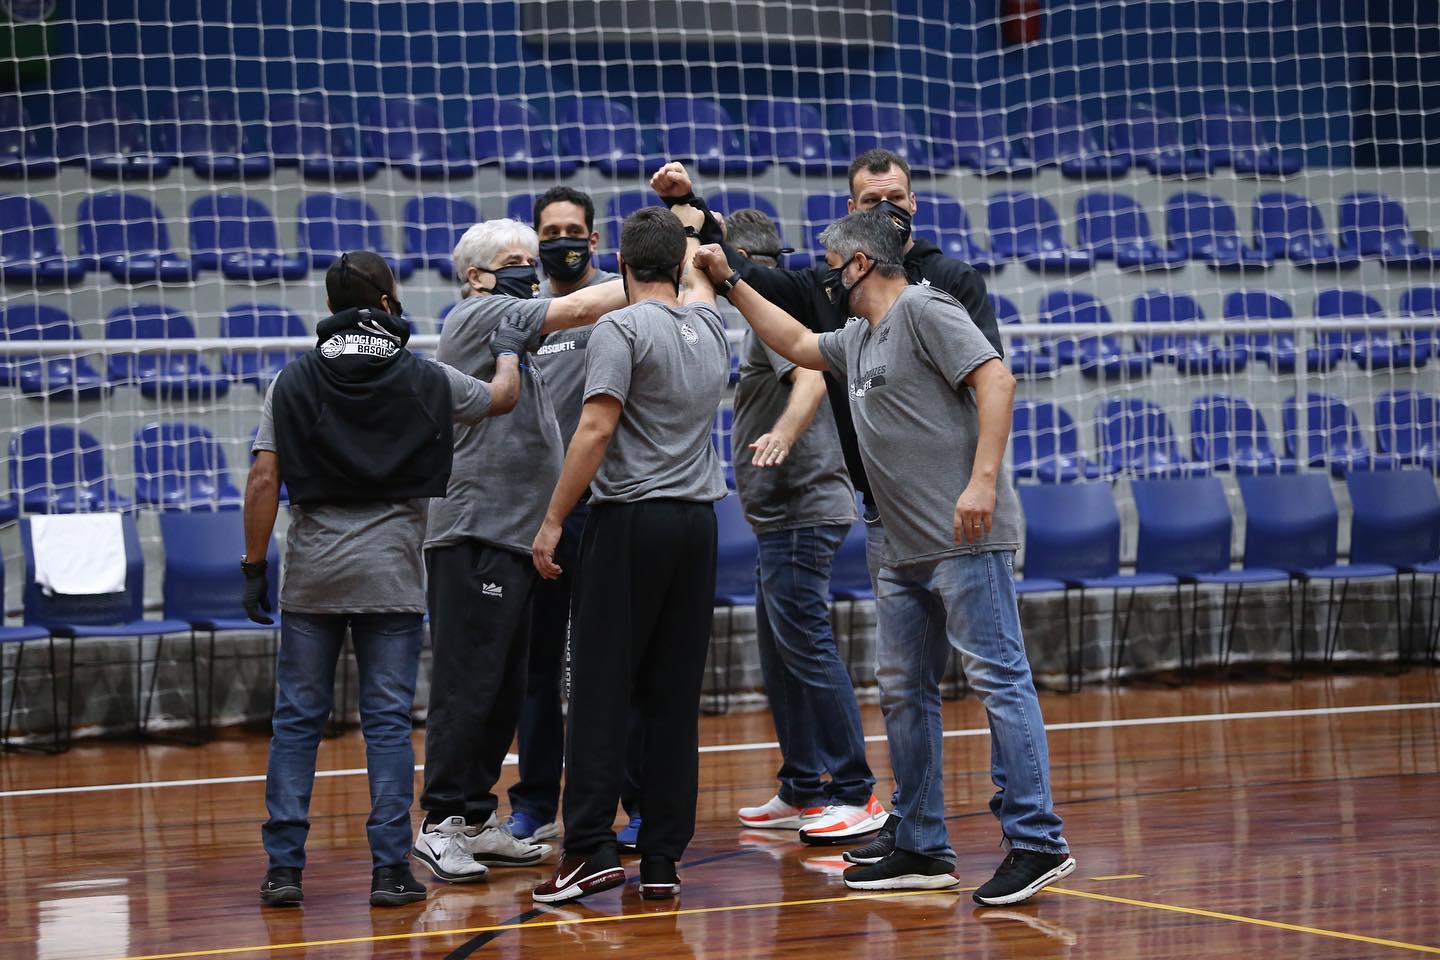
564, 343
492, 590
867, 381
688, 332
884, 335
358, 344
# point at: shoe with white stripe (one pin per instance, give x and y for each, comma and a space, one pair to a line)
580, 876
776, 814
1023, 874
441, 847
839, 824
495, 846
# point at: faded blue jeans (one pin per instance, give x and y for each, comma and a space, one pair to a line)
967, 602
817, 718
387, 653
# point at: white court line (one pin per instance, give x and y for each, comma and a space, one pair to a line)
511, 759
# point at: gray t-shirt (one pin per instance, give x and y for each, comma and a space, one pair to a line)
811, 488
361, 557
668, 367
505, 467
917, 422
562, 359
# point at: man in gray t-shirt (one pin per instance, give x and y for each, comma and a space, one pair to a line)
932, 402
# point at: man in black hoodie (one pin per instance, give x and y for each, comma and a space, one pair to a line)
360, 431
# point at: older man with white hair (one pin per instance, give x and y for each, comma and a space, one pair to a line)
477, 553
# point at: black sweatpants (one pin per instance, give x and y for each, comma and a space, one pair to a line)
643, 610
480, 599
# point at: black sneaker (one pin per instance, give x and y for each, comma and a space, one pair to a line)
395, 887
658, 879
281, 888
1023, 874
878, 848
902, 870
580, 875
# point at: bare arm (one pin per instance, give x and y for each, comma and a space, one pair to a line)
695, 286
582, 460
505, 385
780, 331
262, 503
585, 305
806, 391
995, 401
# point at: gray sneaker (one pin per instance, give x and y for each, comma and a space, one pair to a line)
495, 846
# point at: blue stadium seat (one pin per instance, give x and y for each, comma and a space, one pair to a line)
258, 320
1407, 426
1231, 137
100, 132
331, 225
722, 438
1381, 349
1099, 357
1188, 352
1395, 521
1374, 225
1045, 444
884, 126
701, 132
30, 250
511, 134
1024, 226
1423, 303
1288, 225
15, 639
320, 135
521, 206
1185, 529
1155, 141
979, 138
820, 210
617, 208
1134, 437
1059, 134
1277, 350
21, 155
169, 375
125, 234
179, 466
1332, 436
236, 235
48, 377
58, 468
212, 139
431, 228
728, 201
1113, 227
410, 136
604, 133
1027, 358
735, 555
1229, 434
941, 219
1203, 228
793, 133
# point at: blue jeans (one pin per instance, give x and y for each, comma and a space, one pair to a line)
387, 652
967, 602
874, 560
817, 719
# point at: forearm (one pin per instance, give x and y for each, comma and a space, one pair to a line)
995, 402
505, 385
583, 306
806, 391
780, 331
582, 462
262, 503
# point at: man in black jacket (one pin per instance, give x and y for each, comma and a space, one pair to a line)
359, 430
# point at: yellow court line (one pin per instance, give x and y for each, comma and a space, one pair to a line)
1122, 876
694, 911
1275, 924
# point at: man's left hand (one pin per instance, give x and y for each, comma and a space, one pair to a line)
974, 512
542, 551
771, 449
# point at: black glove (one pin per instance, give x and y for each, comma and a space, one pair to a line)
257, 591
710, 231
510, 337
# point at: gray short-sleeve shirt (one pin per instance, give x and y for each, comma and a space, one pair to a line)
505, 467
561, 359
811, 488
361, 557
668, 367
917, 422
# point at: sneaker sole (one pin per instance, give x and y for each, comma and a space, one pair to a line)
843, 834
907, 881
1040, 883
659, 891
383, 899
605, 880
782, 823
442, 874
500, 860
283, 897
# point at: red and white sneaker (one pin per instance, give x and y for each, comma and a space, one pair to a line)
580, 876
776, 814
838, 824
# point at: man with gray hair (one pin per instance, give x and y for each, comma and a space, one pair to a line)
477, 552
931, 402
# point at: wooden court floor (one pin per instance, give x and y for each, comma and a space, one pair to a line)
1259, 820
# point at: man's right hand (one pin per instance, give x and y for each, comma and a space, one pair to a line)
257, 591
711, 259
672, 180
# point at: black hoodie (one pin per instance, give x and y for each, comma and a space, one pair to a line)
360, 418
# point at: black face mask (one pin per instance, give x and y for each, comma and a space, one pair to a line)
520, 281
835, 291
899, 217
565, 258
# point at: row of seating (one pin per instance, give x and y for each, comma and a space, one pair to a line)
1134, 437
337, 137
126, 235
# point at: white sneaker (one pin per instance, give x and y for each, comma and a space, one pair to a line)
776, 814
442, 848
496, 846
838, 824
549, 831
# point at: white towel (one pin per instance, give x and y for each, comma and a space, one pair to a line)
79, 554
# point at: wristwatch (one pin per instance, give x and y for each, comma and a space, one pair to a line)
724, 287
